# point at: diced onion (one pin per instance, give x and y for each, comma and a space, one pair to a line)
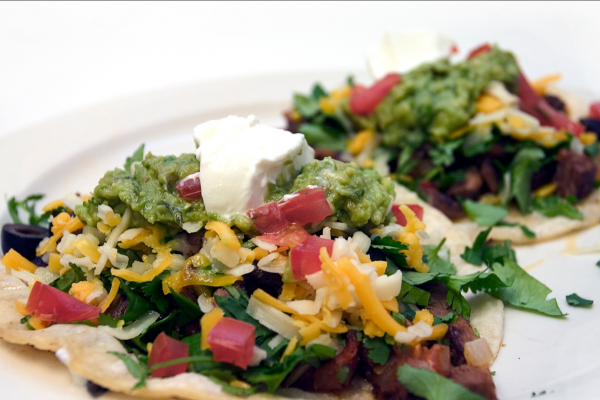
276, 341
71, 200
404, 337
134, 330
206, 304
272, 318
241, 269
258, 356
478, 353
421, 329
264, 245
362, 241
387, 287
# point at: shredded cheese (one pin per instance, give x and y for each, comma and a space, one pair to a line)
187, 277
162, 262
73, 225
207, 322
287, 292
53, 205
15, 261
414, 254
114, 289
225, 233
21, 308
289, 348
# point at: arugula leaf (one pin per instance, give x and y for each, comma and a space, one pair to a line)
524, 164
189, 310
484, 214
136, 367
433, 386
526, 291
475, 255
435, 262
137, 306
575, 300
379, 351
449, 318
553, 206
392, 249
74, 275
137, 156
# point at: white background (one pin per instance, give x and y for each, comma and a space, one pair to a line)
59, 57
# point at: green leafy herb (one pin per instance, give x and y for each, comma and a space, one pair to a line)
323, 136
435, 262
74, 275
524, 164
273, 374
553, 206
432, 386
136, 367
28, 205
413, 295
526, 292
189, 310
443, 153
248, 244
484, 214
342, 374
399, 318
322, 351
235, 309
137, 304
137, 156
575, 300
107, 320
307, 106
475, 255
476, 332
379, 351
449, 318
392, 249
598, 263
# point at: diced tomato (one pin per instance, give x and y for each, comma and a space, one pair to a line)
595, 110
535, 105
51, 305
189, 188
305, 206
269, 218
417, 209
232, 341
484, 48
454, 49
364, 101
292, 236
164, 349
305, 257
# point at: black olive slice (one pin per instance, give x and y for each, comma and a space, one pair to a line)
24, 239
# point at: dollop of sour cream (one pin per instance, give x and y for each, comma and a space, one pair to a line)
403, 51
239, 157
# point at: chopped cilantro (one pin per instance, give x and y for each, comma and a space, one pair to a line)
475, 255
401, 319
413, 295
575, 300
476, 332
443, 153
379, 351
598, 263
449, 318
107, 320
433, 386
484, 214
189, 310
137, 156
343, 374
525, 163
392, 249
553, 206
28, 205
437, 263
136, 367
493, 373
74, 275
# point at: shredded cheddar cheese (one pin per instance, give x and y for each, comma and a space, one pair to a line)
163, 260
289, 348
207, 322
358, 142
53, 205
13, 260
414, 254
73, 225
114, 289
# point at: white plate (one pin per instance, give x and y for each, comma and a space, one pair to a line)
556, 355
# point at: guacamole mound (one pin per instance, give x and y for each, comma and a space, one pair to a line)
435, 99
150, 192
358, 196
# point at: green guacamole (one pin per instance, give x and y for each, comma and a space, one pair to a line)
437, 98
358, 196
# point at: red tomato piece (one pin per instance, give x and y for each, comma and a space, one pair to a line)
269, 218
292, 236
484, 48
364, 101
305, 206
305, 257
164, 349
417, 209
595, 110
51, 305
232, 341
189, 188
535, 105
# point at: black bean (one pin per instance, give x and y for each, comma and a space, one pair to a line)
24, 239
591, 125
95, 390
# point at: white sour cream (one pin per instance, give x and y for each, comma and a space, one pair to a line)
403, 51
239, 157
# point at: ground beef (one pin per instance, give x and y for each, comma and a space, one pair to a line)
469, 187
441, 201
326, 378
543, 176
320, 154
575, 174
